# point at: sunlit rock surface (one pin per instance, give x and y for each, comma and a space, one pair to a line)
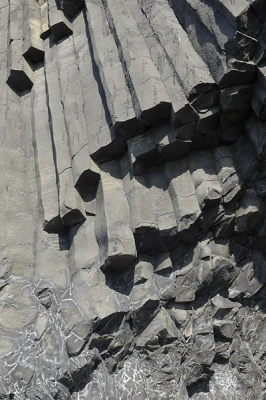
132, 199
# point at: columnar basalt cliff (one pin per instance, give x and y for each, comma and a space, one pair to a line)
132, 199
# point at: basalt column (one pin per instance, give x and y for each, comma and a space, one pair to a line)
132, 199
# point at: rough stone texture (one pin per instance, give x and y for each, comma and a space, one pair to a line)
132, 199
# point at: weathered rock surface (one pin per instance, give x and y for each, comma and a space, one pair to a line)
132, 199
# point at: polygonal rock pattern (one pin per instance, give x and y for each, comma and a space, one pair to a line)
132, 198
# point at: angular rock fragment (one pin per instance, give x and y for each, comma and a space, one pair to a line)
90, 294
161, 328
250, 213
251, 277
220, 306
79, 368
228, 177
208, 121
168, 143
144, 297
143, 153
203, 172
235, 98
240, 15
226, 70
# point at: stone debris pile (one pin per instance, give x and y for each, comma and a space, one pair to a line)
132, 193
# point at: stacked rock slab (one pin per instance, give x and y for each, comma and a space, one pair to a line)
132, 198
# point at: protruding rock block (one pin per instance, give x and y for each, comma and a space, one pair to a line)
102, 142
45, 156
71, 205
169, 146
88, 180
20, 75
143, 220
143, 153
234, 102
181, 111
227, 70
72, 208
251, 278
107, 58
163, 209
144, 297
250, 213
90, 293
162, 328
113, 232
225, 35
71, 7
45, 28
19, 80
241, 15
59, 25
32, 44
226, 172
203, 172
193, 74
208, 121
150, 99
184, 199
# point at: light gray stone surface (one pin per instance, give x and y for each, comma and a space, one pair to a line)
132, 191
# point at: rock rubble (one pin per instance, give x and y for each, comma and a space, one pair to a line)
132, 198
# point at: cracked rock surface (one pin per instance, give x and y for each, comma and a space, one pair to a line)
132, 200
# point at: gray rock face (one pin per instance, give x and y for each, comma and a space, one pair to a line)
132, 199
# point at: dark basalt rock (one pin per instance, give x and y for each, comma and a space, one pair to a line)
71, 7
